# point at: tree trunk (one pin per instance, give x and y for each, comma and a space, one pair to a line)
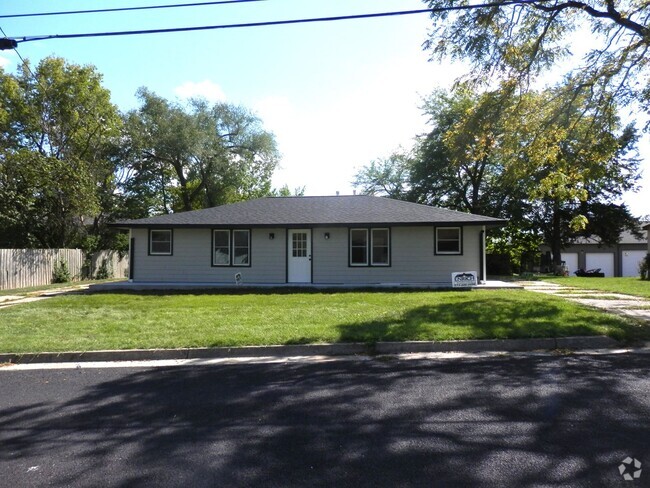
556, 238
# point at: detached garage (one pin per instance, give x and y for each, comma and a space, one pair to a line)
602, 260
571, 261
622, 259
631, 261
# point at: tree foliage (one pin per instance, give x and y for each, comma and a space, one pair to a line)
554, 171
523, 39
196, 156
387, 177
70, 163
461, 161
577, 161
58, 127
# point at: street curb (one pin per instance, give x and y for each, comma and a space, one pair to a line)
344, 349
498, 345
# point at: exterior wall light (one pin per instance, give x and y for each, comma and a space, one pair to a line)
271, 236
327, 235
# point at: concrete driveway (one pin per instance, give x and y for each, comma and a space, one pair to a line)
625, 305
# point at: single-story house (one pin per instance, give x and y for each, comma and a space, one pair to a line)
621, 259
330, 240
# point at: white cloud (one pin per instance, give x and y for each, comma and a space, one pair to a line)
324, 146
205, 89
4, 62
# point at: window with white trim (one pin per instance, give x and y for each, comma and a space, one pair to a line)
448, 240
241, 247
370, 247
160, 242
380, 247
231, 247
221, 248
358, 247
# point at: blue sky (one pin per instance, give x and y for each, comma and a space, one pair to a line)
337, 95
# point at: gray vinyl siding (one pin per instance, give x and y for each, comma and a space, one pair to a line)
412, 258
192, 259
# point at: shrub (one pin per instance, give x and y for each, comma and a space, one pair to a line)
87, 268
644, 267
61, 272
105, 270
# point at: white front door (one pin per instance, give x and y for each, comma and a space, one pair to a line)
299, 256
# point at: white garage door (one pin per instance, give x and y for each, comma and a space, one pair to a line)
571, 261
602, 260
631, 261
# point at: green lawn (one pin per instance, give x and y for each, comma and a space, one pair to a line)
125, 321
627, 286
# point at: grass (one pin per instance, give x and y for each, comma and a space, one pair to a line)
83, 322
626, 286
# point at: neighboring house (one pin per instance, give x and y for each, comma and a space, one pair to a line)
622, 259
316, 240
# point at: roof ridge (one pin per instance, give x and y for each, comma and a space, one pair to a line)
317, 210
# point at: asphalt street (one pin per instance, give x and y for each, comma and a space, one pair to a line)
507, 421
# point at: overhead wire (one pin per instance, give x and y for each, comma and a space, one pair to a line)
25, 64
125, 9
15, 50
278, 22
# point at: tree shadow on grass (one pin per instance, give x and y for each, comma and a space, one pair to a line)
484, 319
490, 422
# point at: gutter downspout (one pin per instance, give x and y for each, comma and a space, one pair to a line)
131, 255
483, 270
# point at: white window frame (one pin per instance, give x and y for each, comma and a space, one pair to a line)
214, 254
171, 242
372, 246
247, 247
231, 248
365, 230
459, 240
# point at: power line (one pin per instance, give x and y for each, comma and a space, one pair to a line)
25, 64
277, 22
13, 46
124, 9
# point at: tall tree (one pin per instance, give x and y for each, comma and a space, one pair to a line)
554, 170
578, 161
197, 155
521, 39
57, 126
389, 177
461, 162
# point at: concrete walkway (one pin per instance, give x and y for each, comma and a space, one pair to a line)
34, 296
625, 305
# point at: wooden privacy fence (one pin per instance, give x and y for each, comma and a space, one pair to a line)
20, 268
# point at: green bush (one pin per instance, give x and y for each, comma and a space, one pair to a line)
105, 270
61, 272
644, 267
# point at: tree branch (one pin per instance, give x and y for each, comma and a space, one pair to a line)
611, 13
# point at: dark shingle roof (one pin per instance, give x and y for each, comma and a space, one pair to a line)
626, 237
292, 211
